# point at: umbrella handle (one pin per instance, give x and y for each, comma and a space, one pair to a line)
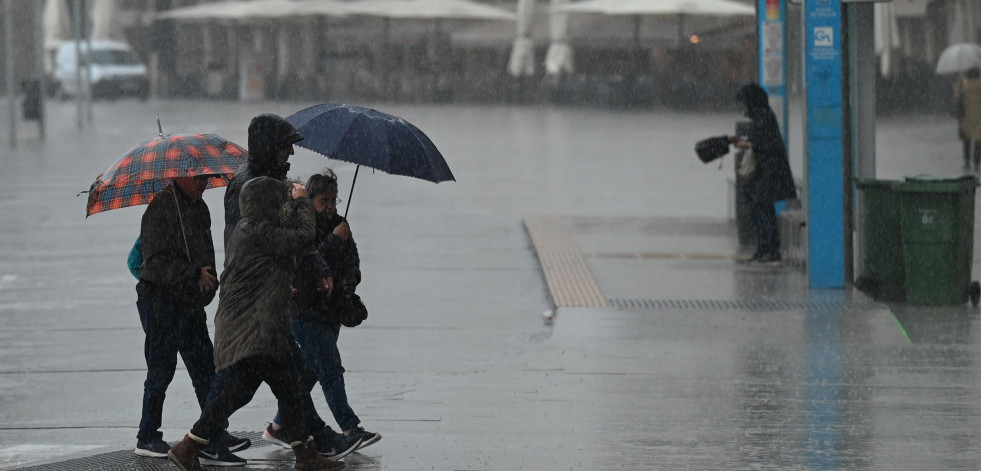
351, 193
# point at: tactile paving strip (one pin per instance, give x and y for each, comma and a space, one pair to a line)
125, 460
749, 304
568, 277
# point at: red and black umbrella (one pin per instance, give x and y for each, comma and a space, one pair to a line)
153, 164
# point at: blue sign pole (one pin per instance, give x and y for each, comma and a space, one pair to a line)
823, 82
772, 34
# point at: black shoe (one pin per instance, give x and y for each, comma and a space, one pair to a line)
275, 437
217, 455
367, 438
152, 448
234, 443
335, 445
756, 256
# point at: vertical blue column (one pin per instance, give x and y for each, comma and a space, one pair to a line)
772, 32
823, 81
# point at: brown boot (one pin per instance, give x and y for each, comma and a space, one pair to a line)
185, 453
307, 458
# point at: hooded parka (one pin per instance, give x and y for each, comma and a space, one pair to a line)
772, 181
268, 134
253, 317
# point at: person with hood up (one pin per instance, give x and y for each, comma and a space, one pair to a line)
771, 181
177, 281
252, 324
271, 140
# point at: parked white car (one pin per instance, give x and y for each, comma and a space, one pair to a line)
116, 70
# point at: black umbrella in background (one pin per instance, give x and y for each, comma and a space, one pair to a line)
369, 137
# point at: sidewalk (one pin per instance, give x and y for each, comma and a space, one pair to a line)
663, 352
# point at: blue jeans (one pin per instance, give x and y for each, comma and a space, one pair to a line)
322, 362
171, 330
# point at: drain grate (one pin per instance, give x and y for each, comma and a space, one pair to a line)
749, 304
125, 460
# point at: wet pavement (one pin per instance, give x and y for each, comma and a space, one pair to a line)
681, 358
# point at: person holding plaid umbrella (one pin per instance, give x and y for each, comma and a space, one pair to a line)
177, 276
177, 280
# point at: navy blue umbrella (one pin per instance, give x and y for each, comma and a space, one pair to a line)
368, 137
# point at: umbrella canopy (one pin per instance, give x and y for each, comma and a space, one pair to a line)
236, 10
368, 137
679, 8
430, 9
958, 58
153, 164
661, 7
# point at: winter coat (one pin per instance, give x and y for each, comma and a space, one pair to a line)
772, 181
168, 263
333, 257
970, 99
253, 317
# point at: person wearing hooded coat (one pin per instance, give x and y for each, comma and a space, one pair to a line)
271, 140
772, 180
252, 324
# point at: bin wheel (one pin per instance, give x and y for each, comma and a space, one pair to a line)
975, 293
868, 286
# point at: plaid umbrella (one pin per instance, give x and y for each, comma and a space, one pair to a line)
153, 164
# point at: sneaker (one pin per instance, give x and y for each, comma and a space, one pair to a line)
367, 438
219, 456
335, 445
152, 448
275, 437
234, 443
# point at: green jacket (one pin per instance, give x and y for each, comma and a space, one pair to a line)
253, 317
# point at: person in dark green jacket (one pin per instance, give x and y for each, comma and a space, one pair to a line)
252, 325
177, 281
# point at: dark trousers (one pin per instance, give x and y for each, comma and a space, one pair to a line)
242, 380
767, 235
171, 330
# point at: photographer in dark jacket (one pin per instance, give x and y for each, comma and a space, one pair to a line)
772, 180
177, 280
271, 140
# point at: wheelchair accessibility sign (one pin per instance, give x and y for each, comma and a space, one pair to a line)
824, 36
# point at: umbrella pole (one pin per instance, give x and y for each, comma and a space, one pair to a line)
351, 193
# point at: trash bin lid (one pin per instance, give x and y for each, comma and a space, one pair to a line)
863, 183
934, 184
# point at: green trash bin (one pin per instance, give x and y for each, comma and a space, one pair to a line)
883, 268
938, 239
